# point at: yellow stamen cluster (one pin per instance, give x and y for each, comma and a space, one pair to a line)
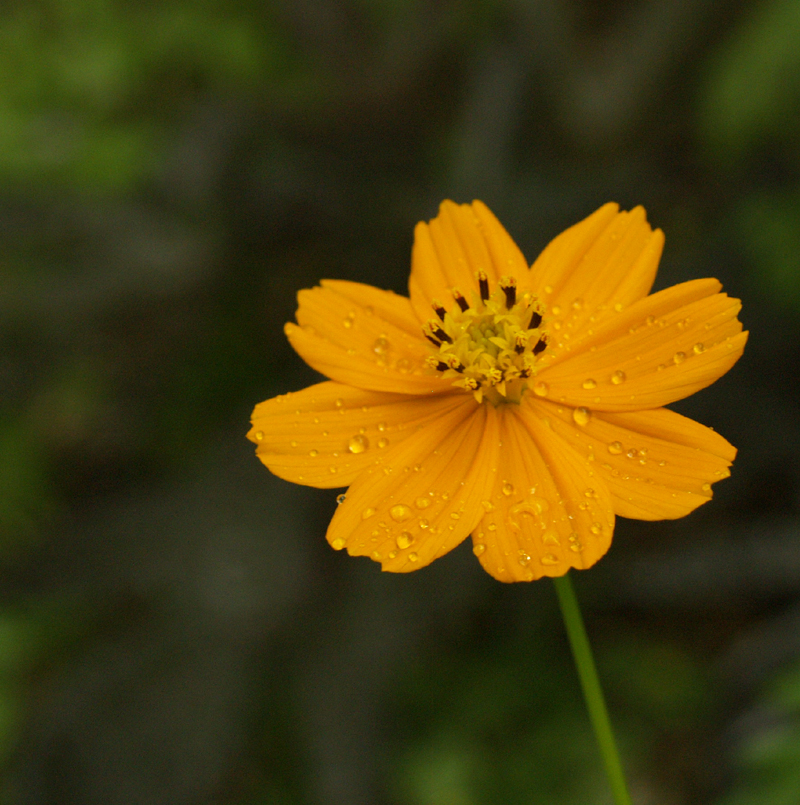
491, 346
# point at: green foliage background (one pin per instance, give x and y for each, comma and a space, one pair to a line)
173, 628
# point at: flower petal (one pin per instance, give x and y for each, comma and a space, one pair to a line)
364, 337
327, 434
549, 511
462, 239
609, 258
422, 498
661, 349
658, 465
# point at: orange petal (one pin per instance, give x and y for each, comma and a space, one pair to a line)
609, 258
423, 497
363, 337
462, 239
327, 434
658, 465
549, 511
661, 349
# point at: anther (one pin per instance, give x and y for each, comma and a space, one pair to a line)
541, 345
438, 332
520, 342
438, 309
460, 301
432, 340
483, 284
536, 320
509, 286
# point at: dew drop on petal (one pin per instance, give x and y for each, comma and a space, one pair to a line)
618, 377
423, 523
367, 513
706, 487
340, 498
524, 559
697, 349
549, 559
392, 554
541, 389
412, 557
381, 345
615, 448
313, 453
338, 544
293, 443
589, 383
487, 505
581, 416
550, 538
422, 502
596, 528
381, 426
332, 470
358, 444
508, 488
478, 548
400, 512
679, 357
382, 442
404, 539
376, 556
403, 365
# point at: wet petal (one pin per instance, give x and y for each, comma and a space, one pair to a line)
609, 258
462, 239
661, 349
658, 465
363, 337
548, 511
422, 498
327, 434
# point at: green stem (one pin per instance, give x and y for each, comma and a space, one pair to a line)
592, 692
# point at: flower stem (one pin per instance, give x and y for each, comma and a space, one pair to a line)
592, 692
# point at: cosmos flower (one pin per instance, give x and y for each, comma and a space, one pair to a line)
520, 405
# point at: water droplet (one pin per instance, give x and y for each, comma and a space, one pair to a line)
615, 448
508, 488
590, 493
455, 515
576, 547
358, 444
548, 289
632, 453
382, 442
487, 505
338, 544
596, 528
541, 389
423, 523
376, 556
706, 487
549, 559
698, 348
348, 323
403, 365
400, 513
293, 443
381, 426
338, 402
367, 513
381, 345
618, 377
581, 416
589, 383
332, 470
478, 548
404, 539
313, 453
524, 559
650, 321
618, 307
422, 502
556, 310
491, 527
392, 554
340, 499
550, 538
412, 557
679, 357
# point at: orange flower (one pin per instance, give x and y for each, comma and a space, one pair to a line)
520, 405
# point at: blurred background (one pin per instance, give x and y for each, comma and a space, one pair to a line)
173, 626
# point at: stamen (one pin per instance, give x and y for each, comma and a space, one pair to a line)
452, 362
460, 301
438, 332
432, 340
439, 310
483, 284
520, 342
536, 320
541, 345
509, 286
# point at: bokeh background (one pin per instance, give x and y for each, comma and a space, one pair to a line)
173, 627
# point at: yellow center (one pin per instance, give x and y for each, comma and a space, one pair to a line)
491, 346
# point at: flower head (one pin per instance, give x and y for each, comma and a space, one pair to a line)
521, 406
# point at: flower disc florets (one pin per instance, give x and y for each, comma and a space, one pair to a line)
491, 346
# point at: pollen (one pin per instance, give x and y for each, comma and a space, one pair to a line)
490, 345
